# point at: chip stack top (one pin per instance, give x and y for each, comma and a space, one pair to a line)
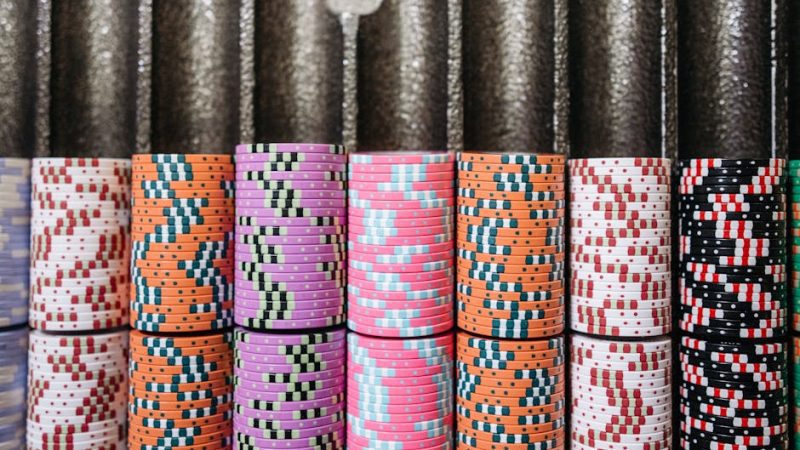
734, 384
13, 372
620, 246
400, 243
794, 235
181, 364
511, 215
290, 226
79, 243
15, 230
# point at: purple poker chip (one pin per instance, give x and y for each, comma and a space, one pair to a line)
334, 439
289, 249
335, 302
302, 349
246, 238
243, 218
291, 268
247, 208
290, 387
293, 203
288, 406
291, 156
280, 175
278, 397
291, 194
290, 147
293, 185
298, 439
298, 324
287, 277
289, 259
288, 296
282, 166
266, 314
276, 231
272, 358
300, 424
288, 286
286, 378
284, 339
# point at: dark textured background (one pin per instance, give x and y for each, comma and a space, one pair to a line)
594, 78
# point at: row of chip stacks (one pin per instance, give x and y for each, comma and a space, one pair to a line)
181, 301
290, 256
510, 348
15, 215
400, 300
620, 303
733, 317
79, 278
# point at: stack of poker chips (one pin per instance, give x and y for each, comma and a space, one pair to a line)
621, 393
77, 390
511, 244
399, 392
620, 252
180, 389
510, 393
290, 221
79, 244
181, 298
13, 372
733, 293
511, 251
400, 243
733, 248
733, 394
289, 390
15, 212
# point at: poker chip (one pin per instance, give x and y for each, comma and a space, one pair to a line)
733, 393
739, 254
184, 229
400, 243
510, 392
180, 390
76, 389
511, 216
618, 252
399, 392
74, 222
621, 391
289, 389
290, 238
15, 188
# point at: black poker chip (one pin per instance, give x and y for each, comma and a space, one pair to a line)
743, 288
704, 394
731, 180
730, 163
738, 315
734, 324
684, 206
749, 356
733, 234
736, 243
734, 171
735, 215
732, 224
733, 270
732, 189
734, 306
732, 368
689, 441
741, 261
732, 251
741, 413
733, 440
718, 332
728, 380
733, 435
725, 278
736, 347
729, 427
705, 294
741, 199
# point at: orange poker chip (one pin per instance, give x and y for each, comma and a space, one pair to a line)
511, 251
159, 203
182, 319
198, 440
517, 410
557, 312
552, 425
506, 374
172, 264
226, 364
193, 167
513, 260
518, 305
200, 350
159, 211
519, 365
142, 339
186, 387
222, 425
503, 158
519, 287
179, 309
174, 397
181, 300
188, 249
521, 383
490, 213
182, 185
531, 438
183, 409
468, 352
524, 333
466, 318
136, 420
215, 280
517, 223
511, 277
198, 291
500, 177
210, 158
489, 185
167, 360
505, 345
532, 168
512, 268
182, 176
140, 194
515, 296
183, 238
183, 274
515, 196
510, 233
171, 379
170, 221
512, 241
182, 229
512, 204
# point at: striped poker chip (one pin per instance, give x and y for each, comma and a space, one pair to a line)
92, 369
80, 224
15, 223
